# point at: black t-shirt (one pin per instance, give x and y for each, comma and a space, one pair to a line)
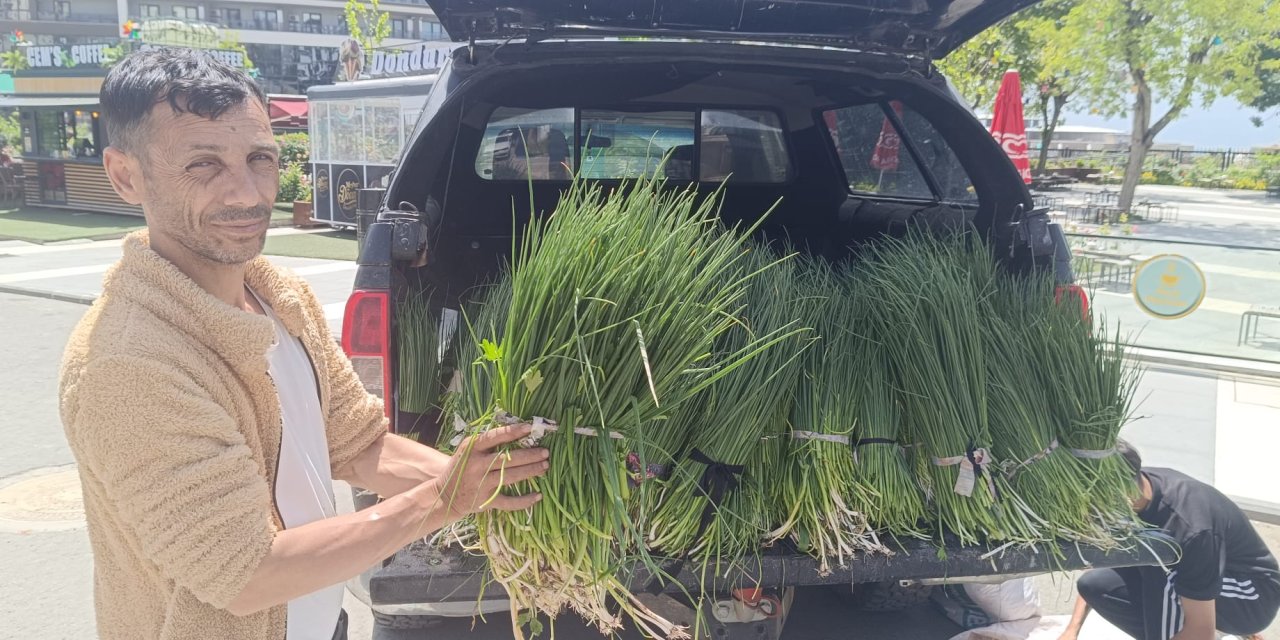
1216, 537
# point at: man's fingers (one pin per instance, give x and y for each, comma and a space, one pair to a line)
514, 503
522, 457
513, 475
494, 438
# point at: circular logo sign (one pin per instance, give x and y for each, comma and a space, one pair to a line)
348, 191
1168, 286
322, 181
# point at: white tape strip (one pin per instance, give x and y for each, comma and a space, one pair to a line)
825, 437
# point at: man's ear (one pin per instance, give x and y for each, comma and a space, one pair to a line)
124, 173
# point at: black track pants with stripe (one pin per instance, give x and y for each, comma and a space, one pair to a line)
1142, 602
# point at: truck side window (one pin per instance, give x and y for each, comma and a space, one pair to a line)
622, 144
743, 146
871, 152
520, 144
875, 161
938, 156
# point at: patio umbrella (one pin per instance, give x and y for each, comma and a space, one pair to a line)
885, 156
1007, 125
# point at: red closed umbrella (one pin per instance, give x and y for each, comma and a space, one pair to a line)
1007, 125
885, 157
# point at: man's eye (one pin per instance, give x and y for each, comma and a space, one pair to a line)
202, 164
263, 157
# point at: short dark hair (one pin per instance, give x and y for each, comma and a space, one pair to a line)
1131, 457
191, 81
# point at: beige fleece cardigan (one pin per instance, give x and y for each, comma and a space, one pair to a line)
175, 423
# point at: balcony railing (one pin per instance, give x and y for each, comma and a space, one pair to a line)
288, 27
16, 15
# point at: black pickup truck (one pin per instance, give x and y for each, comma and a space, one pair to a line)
833, 109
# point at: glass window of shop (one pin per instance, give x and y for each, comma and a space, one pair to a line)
68, 133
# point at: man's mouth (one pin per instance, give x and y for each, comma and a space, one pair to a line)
245, 226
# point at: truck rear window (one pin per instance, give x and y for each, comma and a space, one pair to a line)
737, 145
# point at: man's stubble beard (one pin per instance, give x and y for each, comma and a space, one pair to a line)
212, 252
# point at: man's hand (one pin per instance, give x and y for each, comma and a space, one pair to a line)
476, 473
316, 555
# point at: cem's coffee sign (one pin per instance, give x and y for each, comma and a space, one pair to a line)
65, 57
92, 55
233, 58
407, 60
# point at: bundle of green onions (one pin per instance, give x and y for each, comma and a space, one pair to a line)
1050, 485
616, 305
882, 461
1092, 389
930, 316
699, 512
418, 355
824, 502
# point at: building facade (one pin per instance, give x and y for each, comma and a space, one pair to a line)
292, 43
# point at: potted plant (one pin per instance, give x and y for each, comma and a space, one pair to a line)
302, 205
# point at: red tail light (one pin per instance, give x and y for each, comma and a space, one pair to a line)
366, 337
1075, 291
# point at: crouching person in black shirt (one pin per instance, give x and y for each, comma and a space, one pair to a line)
1226, 579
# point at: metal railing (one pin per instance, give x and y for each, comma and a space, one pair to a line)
16, 15
287, 27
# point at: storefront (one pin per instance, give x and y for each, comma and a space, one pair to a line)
61, 145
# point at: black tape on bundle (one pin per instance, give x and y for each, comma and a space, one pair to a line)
718, 479
866, 441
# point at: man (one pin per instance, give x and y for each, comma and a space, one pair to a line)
1226, 579
207, 405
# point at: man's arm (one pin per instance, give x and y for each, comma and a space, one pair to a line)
1077, 620
392, 465
1200, 620
311, 557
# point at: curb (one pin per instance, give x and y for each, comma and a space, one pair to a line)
1219, 364
1261, 511
75, 298
97, 238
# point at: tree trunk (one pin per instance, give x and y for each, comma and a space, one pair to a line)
1139, 144
1050, 127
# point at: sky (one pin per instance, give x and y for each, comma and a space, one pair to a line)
1224, 125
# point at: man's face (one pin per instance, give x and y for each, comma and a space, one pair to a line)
209, 184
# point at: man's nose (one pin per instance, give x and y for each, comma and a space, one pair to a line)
242, 188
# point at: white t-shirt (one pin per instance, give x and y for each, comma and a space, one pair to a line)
304, 484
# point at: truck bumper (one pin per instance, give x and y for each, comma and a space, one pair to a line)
455, 582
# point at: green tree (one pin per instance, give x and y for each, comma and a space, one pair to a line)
230, 41
1057, 79
975, 68
112, 55
1032, 42
1179, 53
368, 23
295, 148
10, 128
1269, 76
